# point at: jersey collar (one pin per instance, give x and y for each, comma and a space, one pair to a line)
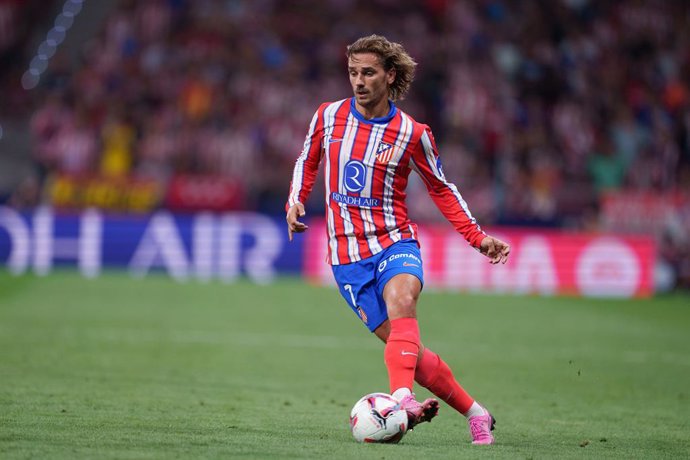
380, 120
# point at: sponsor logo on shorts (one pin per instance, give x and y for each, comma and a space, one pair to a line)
406, 255
414, 261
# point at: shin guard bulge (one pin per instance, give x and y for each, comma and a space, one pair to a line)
401, 351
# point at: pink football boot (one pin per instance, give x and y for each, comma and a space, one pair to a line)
481, 427
418, 412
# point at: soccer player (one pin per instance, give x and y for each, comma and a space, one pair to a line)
368, 147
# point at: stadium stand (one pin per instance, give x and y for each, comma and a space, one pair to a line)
547, 113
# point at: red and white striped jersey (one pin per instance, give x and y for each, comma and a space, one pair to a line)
367, 165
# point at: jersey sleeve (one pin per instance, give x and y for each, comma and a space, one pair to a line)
427, 163
307, 164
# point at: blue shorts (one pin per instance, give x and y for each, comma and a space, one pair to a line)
361, 283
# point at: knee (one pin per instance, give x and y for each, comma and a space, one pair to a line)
401, 294
402, 303
405, 300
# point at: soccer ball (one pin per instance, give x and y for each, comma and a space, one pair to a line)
377, 417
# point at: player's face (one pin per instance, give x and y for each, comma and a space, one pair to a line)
369, 80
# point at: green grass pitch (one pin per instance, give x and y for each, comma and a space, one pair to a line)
122, 368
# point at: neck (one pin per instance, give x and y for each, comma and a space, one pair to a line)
379, 110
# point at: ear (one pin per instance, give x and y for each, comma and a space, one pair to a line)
390, 76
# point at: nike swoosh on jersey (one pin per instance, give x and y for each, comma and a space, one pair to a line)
331, 140
407, 353
407, 264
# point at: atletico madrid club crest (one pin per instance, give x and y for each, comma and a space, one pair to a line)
384, 152
362, 315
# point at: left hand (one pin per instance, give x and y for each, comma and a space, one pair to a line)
495, 249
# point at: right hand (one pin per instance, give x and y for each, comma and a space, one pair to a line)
294, 225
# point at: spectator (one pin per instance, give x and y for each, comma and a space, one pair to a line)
539, 106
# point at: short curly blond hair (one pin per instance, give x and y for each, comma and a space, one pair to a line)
392, 56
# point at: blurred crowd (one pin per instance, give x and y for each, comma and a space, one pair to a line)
539, 107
